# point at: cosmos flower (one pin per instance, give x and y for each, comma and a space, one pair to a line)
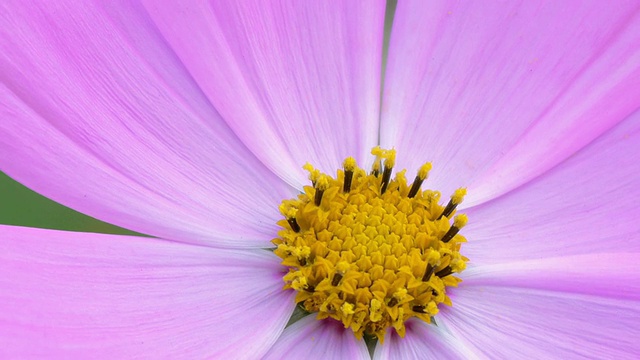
190, 122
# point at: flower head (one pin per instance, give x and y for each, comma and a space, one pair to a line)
192, 121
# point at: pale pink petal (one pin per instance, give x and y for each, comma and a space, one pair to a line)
310, 338
78, 295
587, 205
496, 93
511, 323
298, 81
614, 275
98, 114
422, 341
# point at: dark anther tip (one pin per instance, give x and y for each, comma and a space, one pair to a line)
318, 198
453, 230
386, 177
393, 302
418, 309
428, 272
444, 272
336, 279
348, 179
294, 224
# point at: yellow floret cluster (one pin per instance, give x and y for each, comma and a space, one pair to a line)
368, 250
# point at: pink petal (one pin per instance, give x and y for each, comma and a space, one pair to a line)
98, 114
613, 275
587, 205
309, 339
510, 323
422, 341
497, 93
78, 295
297, 81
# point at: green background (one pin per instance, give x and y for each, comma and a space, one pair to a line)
21, 206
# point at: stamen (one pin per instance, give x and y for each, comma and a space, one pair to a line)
418, 309
321, 185
456, 199
294, 224
428, 272
347, 309
314, 174
446, 271
386, 176
287, 208
336, 279
376, 167
349, 167
341, 268
458, 223
389, 161
417, 182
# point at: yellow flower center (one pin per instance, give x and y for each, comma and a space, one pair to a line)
370, 251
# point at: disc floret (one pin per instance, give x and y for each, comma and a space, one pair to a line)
368, 250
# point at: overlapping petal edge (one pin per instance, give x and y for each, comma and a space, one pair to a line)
160, 158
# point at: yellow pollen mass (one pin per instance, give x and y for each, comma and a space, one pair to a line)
349, 164
424, 171
460, 221
458, 195
368, 250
